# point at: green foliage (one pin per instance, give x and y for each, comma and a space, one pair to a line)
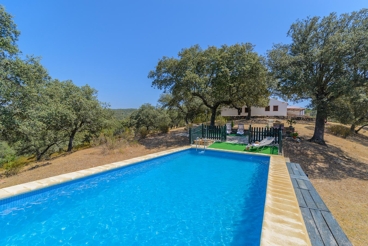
339, 130
352, 108
294, 134
39, 115
122, 114
9, 35
326, 59
220, 121
228, 75
181, 106
310, 112
7, 154
164, 128
150, 118
290, 122
143, 132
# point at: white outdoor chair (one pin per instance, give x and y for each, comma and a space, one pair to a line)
240, 129
228, 128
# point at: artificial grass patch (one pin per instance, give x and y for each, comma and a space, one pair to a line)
237, 135
241, 147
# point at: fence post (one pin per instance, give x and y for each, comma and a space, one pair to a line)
224, 133
280, 141
190, 135
250, 135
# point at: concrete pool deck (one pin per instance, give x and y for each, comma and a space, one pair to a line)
283, 223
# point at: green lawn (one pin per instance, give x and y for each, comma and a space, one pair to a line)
241, 147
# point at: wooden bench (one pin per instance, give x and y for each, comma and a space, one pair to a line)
322, 227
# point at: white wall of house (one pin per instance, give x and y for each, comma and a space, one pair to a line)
259, 111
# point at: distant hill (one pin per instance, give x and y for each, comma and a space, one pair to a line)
123, 113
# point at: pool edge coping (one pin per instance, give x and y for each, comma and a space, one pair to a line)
283, 223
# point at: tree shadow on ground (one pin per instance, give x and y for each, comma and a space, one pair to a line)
356, 137
328, 162
165, 140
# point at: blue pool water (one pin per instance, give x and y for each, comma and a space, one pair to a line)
185, 198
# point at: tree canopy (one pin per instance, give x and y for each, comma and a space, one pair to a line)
217, 76
37, 114
327, 58
352, 108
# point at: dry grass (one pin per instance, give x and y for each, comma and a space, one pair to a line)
339, 171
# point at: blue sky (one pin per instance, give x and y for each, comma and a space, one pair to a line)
111, 45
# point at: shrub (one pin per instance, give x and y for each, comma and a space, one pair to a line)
12, 168
164, 128
220, 121
339, 130
7, 154
143, 132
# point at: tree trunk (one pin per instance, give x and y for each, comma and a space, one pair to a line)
360, 128
71, 139
40, 154
249, 113
213, 115
319, 128
352, 127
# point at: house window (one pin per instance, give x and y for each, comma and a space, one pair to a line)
275, 108
267, 108
246, 110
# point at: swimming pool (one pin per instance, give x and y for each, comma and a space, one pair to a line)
189, 198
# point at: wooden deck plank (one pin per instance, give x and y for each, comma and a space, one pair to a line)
316, 197
297, 170
290, 169
323, 228
298, 177
302, 184
295, 184
308, 199
313, 232
300, 198
336, 230
300, 169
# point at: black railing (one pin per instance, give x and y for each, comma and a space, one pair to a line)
260, 133
207, 132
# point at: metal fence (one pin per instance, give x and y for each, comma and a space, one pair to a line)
209, 132
219, 133
259, 133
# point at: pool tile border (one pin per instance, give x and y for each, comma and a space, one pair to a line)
283, 223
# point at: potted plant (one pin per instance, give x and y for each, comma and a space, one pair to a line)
291, 122
294, 134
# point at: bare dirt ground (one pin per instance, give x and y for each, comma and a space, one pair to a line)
339, 171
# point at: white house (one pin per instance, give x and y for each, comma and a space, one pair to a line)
274, 108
